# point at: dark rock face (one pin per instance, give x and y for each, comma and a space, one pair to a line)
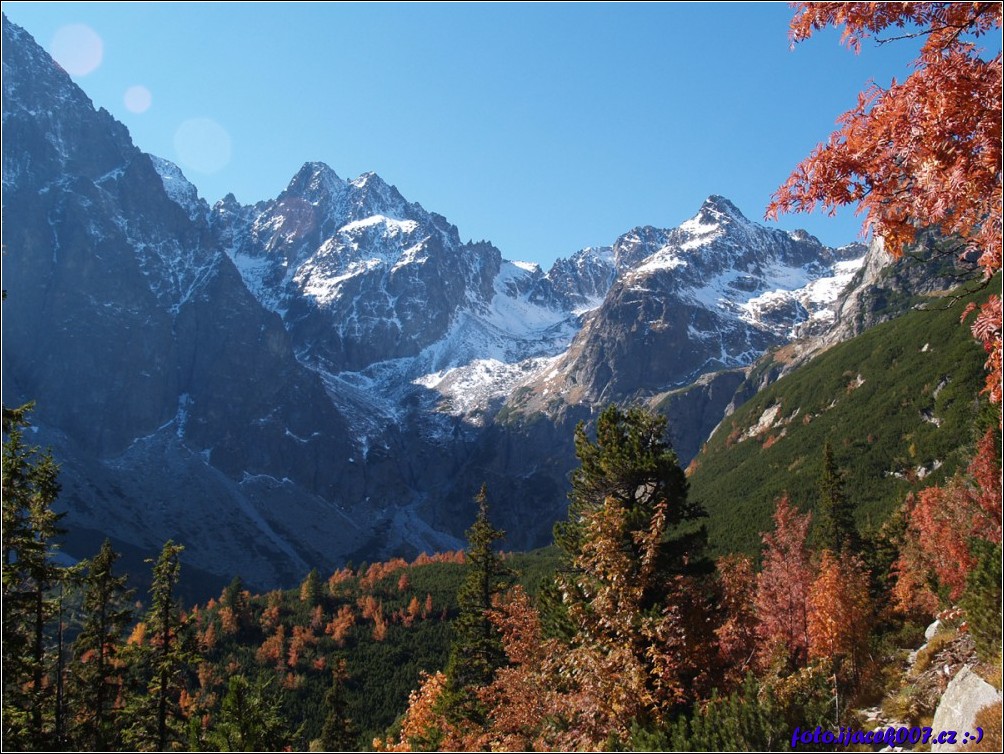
883, 287
696, 410
645, 340
578, 282
124, 321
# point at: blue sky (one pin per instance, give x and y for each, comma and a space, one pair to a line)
542, 128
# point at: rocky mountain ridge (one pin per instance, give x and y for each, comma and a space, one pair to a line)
711, 294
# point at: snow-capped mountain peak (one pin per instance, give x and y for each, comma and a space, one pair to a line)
717, 207
715, 214
315, 182
180, 189
710, 294
372, 194
371, 181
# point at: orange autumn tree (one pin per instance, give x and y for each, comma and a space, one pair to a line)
423, 727
941, 523
924, 152
630, 660
523, 698
633, 590
839, 610
340, 625
642, 647
737, 634
782, 590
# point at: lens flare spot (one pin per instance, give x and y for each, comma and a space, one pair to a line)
137, 99
203, 145
77, 48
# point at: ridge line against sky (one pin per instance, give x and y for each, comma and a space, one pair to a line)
543, 128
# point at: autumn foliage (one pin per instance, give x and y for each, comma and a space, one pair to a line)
782, 590
630, 659
649, 641
839, 609
637, 643
419, 728
737, 634
942, 521
522, 694
924, 152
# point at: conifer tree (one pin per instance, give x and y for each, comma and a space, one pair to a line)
633, 464
163, 659
837, 531
338, 732
476, 651
235, 608
644, 637
746, 720
30, 527
634, 621
250, 717
96, 680
310, 589
630, 461
633, 643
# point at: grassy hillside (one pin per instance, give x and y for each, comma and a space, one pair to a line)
896, 403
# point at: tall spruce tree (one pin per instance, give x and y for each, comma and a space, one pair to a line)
163, 659
338, 732
476, 651
836, 529
96, 676
634, 592
250, 717
632, 463
30, 576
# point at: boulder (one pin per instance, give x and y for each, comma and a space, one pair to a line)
966, 695
932, 630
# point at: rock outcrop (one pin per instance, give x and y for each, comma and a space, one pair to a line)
965, 696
